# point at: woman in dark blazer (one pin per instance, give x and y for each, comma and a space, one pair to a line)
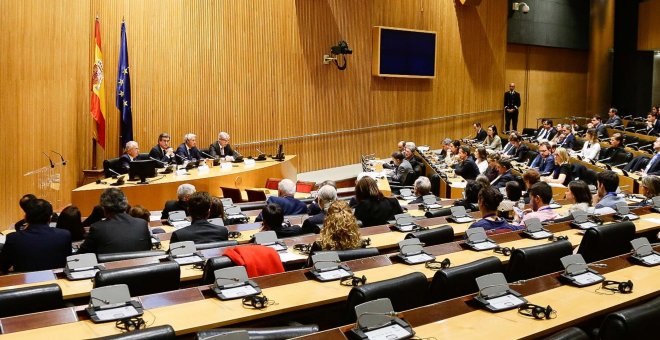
372, 207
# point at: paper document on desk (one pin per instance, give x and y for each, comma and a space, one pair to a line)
155, 216
117, 313
586, 278
652, 220
334, 274
460, 185
652, 259
288, 257
505, 302
246, 290
388, 332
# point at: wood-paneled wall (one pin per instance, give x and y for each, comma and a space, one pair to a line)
601, 40
252, 68
552, 81
648, 35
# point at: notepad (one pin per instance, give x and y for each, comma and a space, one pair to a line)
505, 302
587, 278
334, 274
391, 332
117, 313
652, 259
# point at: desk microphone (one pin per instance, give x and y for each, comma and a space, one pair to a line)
63, 162
391, 314
650, 245
52, 165
159, 161
515, 283
181, 157
177, 247
116, 174
328, 268
98, 299
228, 278
597, 265
410, 245
207, 155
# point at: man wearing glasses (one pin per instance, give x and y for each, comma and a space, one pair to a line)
162, 152
222, 149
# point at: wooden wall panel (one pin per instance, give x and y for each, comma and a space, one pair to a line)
252, 68
599, 79
648, 35
552, 82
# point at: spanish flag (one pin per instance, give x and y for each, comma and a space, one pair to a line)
97, 103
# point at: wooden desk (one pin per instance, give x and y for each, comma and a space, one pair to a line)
153, 195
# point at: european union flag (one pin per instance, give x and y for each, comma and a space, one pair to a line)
123, 101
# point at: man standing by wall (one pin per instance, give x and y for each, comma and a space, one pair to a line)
511, 106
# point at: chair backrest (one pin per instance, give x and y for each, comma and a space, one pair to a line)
529, 156
164, 332
460, 280
255, 195
570, 333
435, 184
348, 254
214, 264
526, 263
30, 300
142, 280
589, 176
434, 236
113, 164
528, 132
272, 183
638, 322
438, 212
270, 333
219, 244
606, 241
621, 157
305, 187
403, 291
233, 193
109, 257
578, 144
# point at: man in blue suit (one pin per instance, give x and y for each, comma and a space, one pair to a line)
653, 166
38, 246
188, 149
286, 189
568, 139
544, 162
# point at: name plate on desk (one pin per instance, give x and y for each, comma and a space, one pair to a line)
391, 332
336, 274
117, 313
249, 163
225, 166
180, 172
204, 169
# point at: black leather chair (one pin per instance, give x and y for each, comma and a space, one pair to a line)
570, 333
405, 292
164, 332
348, 254
109, 257
114, 164
214, 264
435, 184
578, 144
434, 236
528, 132
460, 280
219, 244
606, 241
589, 176
526, 263
438, 212
270, 333
142, 280
577, 170
529, 156
639, 322
30, 300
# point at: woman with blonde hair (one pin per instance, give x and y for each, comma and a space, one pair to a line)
340, 230
650, 188
563, 171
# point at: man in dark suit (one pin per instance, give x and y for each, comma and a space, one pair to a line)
416, 162
652, 125
609, 155
38, 246
544, 162
222, 149
200, 230
326, 195
614, 120
519, 149
547, 132
132, 151
162, 152
511, 106
290, 205
601, 129
505, 175
188, 149
480, 133
119, 232
466, 167
568, 139
653, 166
183, 193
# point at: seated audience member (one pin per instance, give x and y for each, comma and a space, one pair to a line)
563, 172
545, 161
38, 246
465, 167
601, 129
653, 166
509, 149
222, 149
217, 209
650, 188
608, 183
372, 207
492, 171
162, 151
95, 216
400, 147
453, 148
483, 180
273, 219
188, 150
421, 188
481, 159
652, 125
402, 168
131, 153
290, 205
547, 132
415, 161
504, 174
340, 229
471, 200
313, 208
489, 200
513, 195
446, 148
568, 138
530, 177
591, 148
23, 203
139, 211
540, 195
493, 141
70, 220
579, 195
480, 133
519, 149
183, 193
200, 230
325, 196
119, 232
613, 119
607, 155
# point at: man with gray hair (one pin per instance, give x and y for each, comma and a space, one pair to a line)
183, 193
119, 232
416, 162
421, 187
131, 153
326, 195
290, 205
222, 149
188, 151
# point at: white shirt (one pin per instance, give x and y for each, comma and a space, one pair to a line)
590, 150
483, 165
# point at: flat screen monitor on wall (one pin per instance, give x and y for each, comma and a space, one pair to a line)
405, 53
